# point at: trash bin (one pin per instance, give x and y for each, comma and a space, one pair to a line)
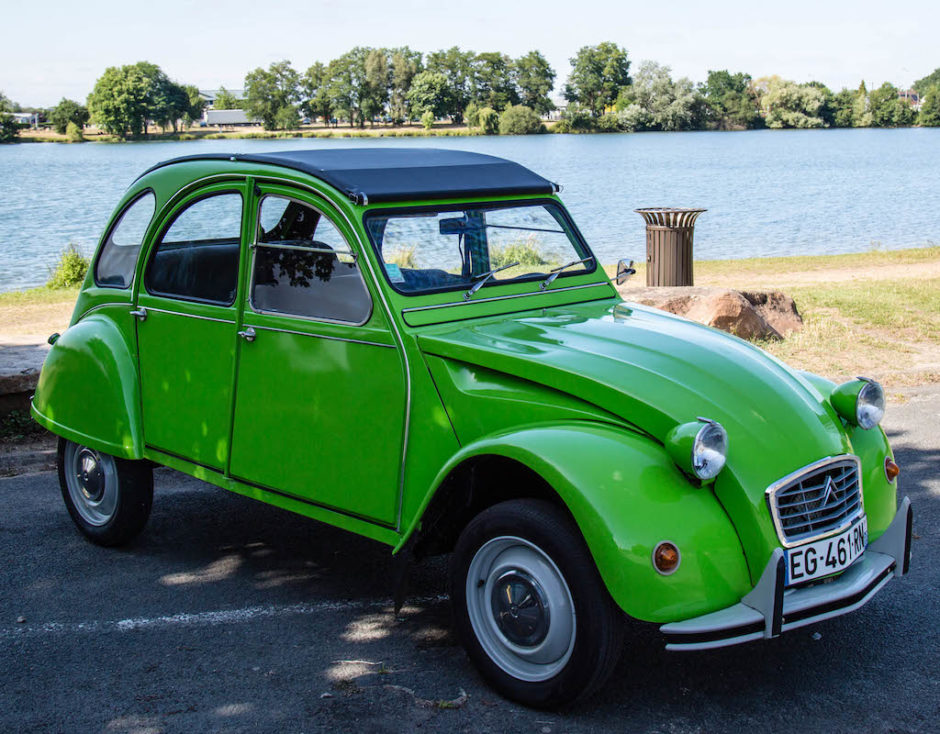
669, 244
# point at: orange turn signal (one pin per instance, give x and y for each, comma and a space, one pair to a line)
666, 558
891, 469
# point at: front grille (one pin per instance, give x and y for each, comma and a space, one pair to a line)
817, 500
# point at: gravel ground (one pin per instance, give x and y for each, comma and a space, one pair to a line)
227, 615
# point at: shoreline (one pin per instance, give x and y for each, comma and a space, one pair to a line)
446, 130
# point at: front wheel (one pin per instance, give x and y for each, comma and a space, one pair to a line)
108, 498
530, 606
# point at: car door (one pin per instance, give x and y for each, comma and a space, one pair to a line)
187, 310
320, 391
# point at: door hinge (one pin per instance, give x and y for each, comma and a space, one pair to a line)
140, 313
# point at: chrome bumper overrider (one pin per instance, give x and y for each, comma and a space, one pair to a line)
770, 609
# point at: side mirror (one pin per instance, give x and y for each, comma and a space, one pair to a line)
624, 270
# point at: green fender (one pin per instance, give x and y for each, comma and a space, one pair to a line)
88, 391
626, 495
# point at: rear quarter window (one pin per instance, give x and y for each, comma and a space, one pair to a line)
118, 259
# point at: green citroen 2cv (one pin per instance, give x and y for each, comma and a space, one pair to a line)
419, 346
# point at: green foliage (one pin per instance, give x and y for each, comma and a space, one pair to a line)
576, 119
887, 109
535, 79
520, 120
457, 68
786, 104
74, 133
609, 123
489, 120
427, 120
922, 86
314, 91
661, 103
195, 104
472, 115
225, 100
861, 112
126, 97
70, 270
842, 105
597, 74
269, 91
287, 118
930, 108
430, 92
491, 81
731, 100
525, 252
65, 112
405, 65
8, 127
18, 425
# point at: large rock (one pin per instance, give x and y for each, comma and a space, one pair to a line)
753, 314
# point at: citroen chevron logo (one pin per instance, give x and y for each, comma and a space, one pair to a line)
830, 492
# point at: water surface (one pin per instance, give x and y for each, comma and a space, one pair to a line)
768, 192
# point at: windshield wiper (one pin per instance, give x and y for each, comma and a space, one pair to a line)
557, 271
483, 277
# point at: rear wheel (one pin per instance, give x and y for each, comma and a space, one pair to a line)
108, 498
530, 606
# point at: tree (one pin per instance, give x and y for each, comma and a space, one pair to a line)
786, 104
65, 112
405, 65
843, 108
269, 91
887, 109
119, 103
520, 120
924, 85
535, 79
8, 127
492, 81
431, 92
731, 100
656, 102
489, 120
167, 101
456, 66
597, 74
225, 100
930, 109
195, 104
376, 82
313, 86
861, 113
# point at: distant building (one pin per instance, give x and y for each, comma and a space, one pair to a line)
26, 118
911, 97
227, 117
209, 95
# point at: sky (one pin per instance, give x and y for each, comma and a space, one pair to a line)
57, 48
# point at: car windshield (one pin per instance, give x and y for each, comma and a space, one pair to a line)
451, 248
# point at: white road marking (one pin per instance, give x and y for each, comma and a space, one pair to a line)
210, 618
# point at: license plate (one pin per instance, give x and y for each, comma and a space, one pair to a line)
828, 556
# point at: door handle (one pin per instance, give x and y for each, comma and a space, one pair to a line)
140, 313
248, 334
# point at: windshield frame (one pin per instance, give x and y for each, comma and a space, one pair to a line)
576, 238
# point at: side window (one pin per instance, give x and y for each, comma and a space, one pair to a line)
303, 266
118, 259
196, 258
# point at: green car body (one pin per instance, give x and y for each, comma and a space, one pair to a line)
390, 427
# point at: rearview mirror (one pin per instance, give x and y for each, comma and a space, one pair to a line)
624, 270
454, 225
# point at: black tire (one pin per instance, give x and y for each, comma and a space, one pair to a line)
597, 621
108, 498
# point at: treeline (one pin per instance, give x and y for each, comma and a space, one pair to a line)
491, 92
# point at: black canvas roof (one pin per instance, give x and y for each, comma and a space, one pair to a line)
369, 175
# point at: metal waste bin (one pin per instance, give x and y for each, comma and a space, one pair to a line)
669, 244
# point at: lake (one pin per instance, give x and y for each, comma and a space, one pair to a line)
768, 192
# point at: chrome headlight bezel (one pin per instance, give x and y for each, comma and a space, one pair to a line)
861, 402
699, 448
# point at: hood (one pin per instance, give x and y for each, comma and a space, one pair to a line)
656, 370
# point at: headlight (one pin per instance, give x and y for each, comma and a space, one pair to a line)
699, 448
861, 402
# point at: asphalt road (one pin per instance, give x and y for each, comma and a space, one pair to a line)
228, 615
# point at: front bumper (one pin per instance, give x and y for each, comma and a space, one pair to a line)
770, 609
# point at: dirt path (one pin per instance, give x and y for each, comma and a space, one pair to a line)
920, 271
